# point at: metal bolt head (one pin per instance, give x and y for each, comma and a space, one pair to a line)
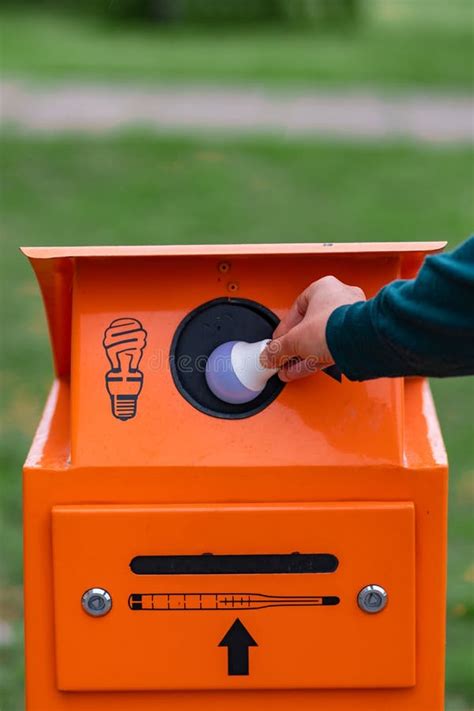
372, 599
96, 602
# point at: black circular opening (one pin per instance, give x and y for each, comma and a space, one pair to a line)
205, 328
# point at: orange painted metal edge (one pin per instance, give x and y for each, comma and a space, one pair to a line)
54, 269
195, 250
51, 444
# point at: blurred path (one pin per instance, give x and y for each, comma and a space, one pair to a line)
85, 107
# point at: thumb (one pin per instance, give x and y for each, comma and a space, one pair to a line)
280, 350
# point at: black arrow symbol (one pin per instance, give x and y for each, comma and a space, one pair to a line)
237, 640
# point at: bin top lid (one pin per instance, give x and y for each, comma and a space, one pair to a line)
184, 250
54, 269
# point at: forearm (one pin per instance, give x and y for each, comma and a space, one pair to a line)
423, 326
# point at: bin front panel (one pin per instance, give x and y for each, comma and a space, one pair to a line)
243, 596
324, 421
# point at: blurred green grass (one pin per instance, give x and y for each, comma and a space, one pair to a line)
140, 188
423, 44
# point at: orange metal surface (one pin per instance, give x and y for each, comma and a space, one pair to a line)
220, 250
177, 647
362, 424
297, 475
54, 268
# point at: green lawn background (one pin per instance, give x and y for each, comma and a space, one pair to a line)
398, 44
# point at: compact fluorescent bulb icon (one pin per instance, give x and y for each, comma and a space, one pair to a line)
234, 372
124, 341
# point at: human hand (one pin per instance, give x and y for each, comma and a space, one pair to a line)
299, 345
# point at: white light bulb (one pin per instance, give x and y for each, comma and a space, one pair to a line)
234, 372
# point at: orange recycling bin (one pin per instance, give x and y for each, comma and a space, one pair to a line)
186, 554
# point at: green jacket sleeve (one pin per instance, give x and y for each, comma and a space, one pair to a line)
422, 326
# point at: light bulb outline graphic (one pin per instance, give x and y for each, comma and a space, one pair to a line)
124, 342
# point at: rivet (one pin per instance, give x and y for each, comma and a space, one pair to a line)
96, 602
372, 599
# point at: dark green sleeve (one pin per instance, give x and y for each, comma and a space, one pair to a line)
422, 326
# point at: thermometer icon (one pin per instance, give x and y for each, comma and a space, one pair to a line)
168, 602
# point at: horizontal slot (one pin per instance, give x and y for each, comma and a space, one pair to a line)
210, 564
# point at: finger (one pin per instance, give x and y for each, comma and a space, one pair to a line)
298, 370
289, 321
280, 350
294, 316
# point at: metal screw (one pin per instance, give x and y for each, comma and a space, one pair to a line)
224, 267
96, 602
372, 599
233, 286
